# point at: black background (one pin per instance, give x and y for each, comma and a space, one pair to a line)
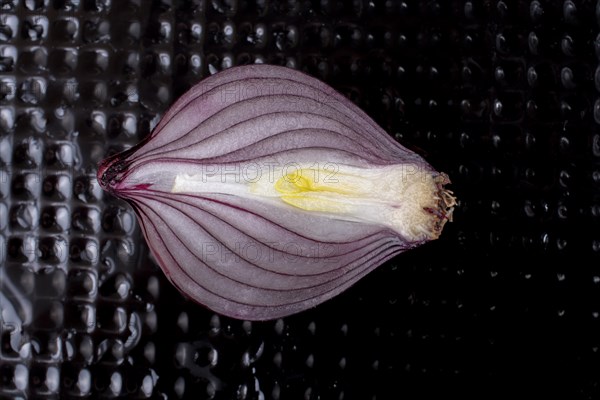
501, 95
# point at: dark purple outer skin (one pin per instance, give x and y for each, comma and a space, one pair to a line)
298, 268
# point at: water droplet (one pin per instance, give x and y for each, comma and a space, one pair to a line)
213, 357
465, 105
499, 74
21, 377
501, 43
87, 316
164, 61
195, 62
26, 186
64, 155
533, 41
86, 220
8, 89
179, 386
135, 30
545, 207
150, 352
464, 139
196, 31
83, 283
228, 30
565, 108
37, 120
129, 123
97, 60
122, 286
182, 354
26, 216
276, 392
597, 117
35, 27
8, 57
597, 45
117, 219
24, 249
277, 359
312, 327
464, 171
7, 119
567, 78
151, 321
469, 10
310, 361
183, 322
215, 323
498, 107
566, 45
116, 383
496, 142
56, 314
545, 239
153, 286
529, 209
28, 153
247, 327
245, 360
119, 321
3, 221
562, 212
564, 177
52, 379
532, 76
535, 10
344, 329
530, 143
279, 326
84, 381
502, 8
570, 11
148, 384
165, 30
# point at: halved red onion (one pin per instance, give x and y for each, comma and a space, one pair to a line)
263, 192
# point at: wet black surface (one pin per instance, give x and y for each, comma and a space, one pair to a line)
501, 95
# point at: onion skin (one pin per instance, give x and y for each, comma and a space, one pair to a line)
263, 192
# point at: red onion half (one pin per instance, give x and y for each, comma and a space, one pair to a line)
263, 192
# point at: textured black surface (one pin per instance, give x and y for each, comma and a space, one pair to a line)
501, 95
